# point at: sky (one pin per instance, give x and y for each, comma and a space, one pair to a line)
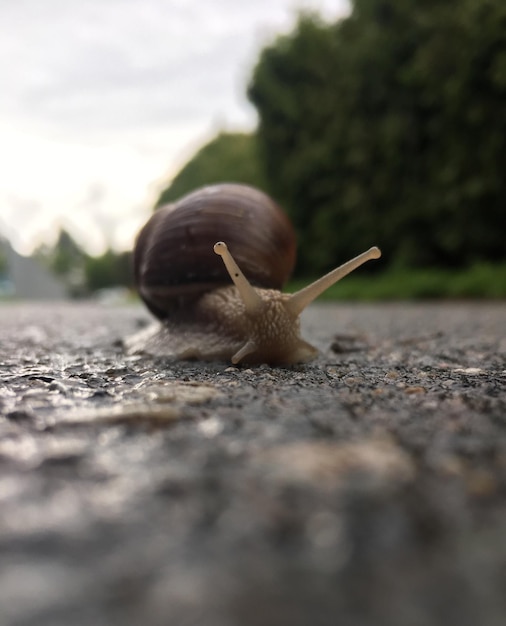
103, 101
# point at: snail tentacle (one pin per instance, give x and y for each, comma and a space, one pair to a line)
300, 300
248, 348
249, 296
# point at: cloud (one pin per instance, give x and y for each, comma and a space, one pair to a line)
110, 65
112, 94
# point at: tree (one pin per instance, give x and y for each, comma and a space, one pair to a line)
66, 259
111, 269
389, 127
4, 266
84, 274
229, 157
66, 256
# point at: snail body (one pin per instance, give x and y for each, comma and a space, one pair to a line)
229, 308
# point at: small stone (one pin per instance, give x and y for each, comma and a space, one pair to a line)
353, 380
211, 427
125, 413
20, 415
348, 343
415, 389
326, 464
189, 393
58, 387
481, 483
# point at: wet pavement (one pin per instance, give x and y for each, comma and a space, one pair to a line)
368, 487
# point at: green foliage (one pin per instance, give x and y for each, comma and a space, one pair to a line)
84, 274
229, 157
481, 280
4, 266
109, 270
66, 257
389, 128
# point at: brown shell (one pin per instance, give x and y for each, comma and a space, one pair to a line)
174, 261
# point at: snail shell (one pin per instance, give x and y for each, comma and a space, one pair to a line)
174, 262
228, 308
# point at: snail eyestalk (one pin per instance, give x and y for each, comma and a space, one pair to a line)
249, 296
248, 348
300, 300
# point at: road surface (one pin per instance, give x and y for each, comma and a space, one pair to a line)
366, 488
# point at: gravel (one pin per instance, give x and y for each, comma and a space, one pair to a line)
367, 487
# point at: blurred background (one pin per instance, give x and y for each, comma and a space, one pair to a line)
373, 122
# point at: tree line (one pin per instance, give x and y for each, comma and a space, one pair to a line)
384, 128
83, 274
387, 127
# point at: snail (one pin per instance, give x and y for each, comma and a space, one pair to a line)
211, 267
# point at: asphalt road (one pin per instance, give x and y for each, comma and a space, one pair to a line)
366, 488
